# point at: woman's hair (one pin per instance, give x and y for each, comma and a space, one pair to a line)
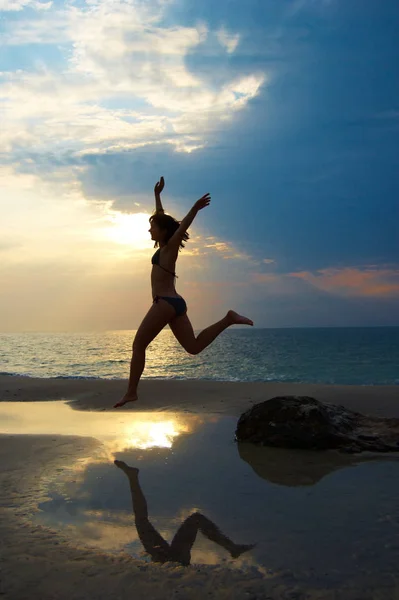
170, 224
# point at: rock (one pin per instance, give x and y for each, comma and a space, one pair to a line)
303, 422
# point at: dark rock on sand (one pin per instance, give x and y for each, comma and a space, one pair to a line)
303, 422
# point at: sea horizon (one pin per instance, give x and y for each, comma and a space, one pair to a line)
238, 327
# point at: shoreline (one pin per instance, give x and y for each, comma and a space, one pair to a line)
222, 397
5, 375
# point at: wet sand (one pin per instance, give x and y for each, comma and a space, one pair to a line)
36, 562
230, 398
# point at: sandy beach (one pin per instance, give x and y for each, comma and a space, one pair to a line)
37, 562
230, 398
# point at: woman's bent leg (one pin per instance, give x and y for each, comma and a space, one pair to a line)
155, 320
184, 333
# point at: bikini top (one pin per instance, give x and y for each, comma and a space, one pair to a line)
155, 261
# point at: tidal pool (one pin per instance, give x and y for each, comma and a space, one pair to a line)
183, 490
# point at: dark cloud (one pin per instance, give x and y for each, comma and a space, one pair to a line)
305, 174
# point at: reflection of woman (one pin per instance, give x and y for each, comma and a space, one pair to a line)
180, 548
168, 306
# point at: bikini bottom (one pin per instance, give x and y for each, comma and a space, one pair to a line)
178, 303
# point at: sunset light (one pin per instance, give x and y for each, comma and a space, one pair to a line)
129, 229
101, 99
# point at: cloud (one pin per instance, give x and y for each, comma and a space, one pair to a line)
61, 254
228, 41
17, 5
265, 277
211, 246
351, 281
121, 56
61, 290
372, 281
337, 297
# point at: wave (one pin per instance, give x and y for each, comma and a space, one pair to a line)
7, 374
216, 379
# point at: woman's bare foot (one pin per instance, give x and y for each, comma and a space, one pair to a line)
126, 398
240, 549
122, 465
237, 319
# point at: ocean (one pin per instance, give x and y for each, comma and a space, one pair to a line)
351, 356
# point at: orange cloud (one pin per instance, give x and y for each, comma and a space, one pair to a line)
351, 281
226, 250
264, 277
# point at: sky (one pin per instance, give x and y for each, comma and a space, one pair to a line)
285, 111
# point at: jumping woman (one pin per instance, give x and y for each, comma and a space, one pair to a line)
168, 306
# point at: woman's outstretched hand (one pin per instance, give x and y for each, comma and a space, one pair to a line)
159, 186
202, 202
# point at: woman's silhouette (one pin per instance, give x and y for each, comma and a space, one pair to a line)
179, 550
168, 306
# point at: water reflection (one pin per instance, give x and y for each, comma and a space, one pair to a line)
120, 432
179, 550
293, 467
330, 517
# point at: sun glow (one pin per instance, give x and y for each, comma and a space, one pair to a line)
129, 229
118, 431
149, 434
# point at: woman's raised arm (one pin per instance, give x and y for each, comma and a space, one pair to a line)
188, 219
157, 191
